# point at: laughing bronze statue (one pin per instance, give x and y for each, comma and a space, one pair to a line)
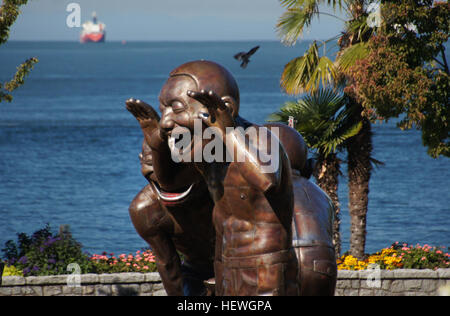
252, 210
175, 221
312, 221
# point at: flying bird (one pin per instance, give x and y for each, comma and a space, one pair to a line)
245, 56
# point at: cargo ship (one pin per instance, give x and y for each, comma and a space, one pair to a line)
93, 31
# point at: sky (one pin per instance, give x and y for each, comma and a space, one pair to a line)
158, 20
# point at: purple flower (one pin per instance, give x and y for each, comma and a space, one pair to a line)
50, 241
51, 261
23, 260
35, 268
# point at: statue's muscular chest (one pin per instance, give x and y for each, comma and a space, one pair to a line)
239, 204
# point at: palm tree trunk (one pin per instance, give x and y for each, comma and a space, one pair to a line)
359, 171
326, 173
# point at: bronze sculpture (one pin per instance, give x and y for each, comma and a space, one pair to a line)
312, 221
174, 222
252, 210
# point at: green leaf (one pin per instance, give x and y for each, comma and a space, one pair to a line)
322, 118
308, 72
351, 54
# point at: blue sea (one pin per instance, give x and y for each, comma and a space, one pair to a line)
69, 149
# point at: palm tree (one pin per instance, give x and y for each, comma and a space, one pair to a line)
311, 71
325, 123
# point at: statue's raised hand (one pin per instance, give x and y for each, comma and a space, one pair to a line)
219, 114
147, 117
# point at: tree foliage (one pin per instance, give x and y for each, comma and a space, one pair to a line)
322, 118
9, 11
405, 72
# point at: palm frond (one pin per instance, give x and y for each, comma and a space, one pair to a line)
301, 3
322, 118
351, 54
298, 15
323, 74
291, 24
308, 72
335, 3
290, 3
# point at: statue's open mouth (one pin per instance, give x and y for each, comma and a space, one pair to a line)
173, 197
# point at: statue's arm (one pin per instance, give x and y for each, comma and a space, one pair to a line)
170, 175
258, 160
248, 152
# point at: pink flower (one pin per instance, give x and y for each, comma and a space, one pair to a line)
146, 267
128, 263
438, 252
405, 248
423, 258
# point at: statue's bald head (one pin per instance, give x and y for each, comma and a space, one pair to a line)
209, 75
293, 143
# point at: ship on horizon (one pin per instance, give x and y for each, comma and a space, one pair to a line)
93, 31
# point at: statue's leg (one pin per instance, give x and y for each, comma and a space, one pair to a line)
317, 275
194, 276
149, 218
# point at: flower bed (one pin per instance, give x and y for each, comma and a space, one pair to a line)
143, 261
399, 256
45, 253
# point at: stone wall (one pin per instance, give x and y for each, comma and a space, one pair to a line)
349, 283
402, 282
117, 284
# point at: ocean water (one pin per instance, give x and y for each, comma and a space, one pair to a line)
69, 149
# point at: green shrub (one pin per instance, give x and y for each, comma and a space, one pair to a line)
45, 253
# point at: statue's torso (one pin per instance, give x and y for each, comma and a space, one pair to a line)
245, 218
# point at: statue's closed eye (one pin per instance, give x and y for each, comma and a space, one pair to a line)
178, 106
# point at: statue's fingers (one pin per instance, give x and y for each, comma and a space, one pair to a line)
143, 103
148, 110
130, 105
215, 99
201, 97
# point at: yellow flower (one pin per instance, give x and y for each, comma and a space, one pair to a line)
350, 261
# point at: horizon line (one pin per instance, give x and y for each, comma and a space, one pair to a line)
154, 41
